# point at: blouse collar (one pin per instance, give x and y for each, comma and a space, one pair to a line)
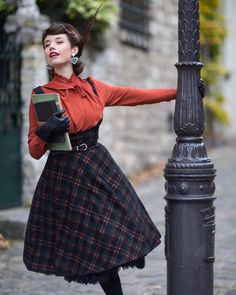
61, 82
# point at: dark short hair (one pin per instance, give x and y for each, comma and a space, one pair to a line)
75, 39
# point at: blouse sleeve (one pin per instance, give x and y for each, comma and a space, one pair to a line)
128, 96
37, 147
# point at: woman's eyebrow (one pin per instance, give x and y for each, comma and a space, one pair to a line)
46, 42
57, 38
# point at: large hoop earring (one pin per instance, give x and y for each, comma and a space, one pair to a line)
74, 59
49, 67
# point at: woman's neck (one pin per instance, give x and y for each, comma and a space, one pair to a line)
66, 71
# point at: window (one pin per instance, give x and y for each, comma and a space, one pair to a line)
134, 23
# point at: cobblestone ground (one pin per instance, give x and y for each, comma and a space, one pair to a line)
16, 280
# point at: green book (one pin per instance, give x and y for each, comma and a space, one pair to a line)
45, 105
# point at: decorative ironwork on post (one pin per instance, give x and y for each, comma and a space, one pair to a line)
189, 173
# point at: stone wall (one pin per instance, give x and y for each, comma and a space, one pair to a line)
137, 137
27, 26
33, 73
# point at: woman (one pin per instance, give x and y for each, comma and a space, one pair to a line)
86, 221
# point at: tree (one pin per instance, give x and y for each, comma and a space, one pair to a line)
213, 33
76, 12
79, 13
7, 7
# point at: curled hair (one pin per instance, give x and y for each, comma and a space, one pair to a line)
75, 38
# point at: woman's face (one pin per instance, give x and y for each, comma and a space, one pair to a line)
58, 50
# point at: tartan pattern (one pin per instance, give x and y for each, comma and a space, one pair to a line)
85, 216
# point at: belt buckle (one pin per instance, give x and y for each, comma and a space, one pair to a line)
82, 147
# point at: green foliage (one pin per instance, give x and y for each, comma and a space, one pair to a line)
213, 33
87, 8
2, 5
79, 12
76, 12
7, 7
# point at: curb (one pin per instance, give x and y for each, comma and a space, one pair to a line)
13, 222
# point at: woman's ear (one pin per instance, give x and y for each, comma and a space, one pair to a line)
75, 50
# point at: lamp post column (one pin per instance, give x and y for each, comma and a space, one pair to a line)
189, 173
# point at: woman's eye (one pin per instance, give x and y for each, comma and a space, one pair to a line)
59, 42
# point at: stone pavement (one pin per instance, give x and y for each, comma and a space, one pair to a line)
16, 280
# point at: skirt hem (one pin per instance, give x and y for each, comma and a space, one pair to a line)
105, 275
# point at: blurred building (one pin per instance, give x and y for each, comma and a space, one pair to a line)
141, 52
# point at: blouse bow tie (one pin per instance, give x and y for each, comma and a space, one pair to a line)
62, 83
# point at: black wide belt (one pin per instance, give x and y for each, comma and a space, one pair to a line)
82, 147
84, 140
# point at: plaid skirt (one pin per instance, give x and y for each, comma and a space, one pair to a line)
86, 221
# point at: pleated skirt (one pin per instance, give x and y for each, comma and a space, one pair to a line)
86, 221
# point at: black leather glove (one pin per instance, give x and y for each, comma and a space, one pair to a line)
202, 87
55, 125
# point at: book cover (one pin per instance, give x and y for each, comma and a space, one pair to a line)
45, 105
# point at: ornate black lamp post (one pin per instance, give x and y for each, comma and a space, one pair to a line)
190, 215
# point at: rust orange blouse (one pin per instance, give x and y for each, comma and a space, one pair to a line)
84, 108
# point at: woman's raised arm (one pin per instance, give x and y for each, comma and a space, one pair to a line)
128, 96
